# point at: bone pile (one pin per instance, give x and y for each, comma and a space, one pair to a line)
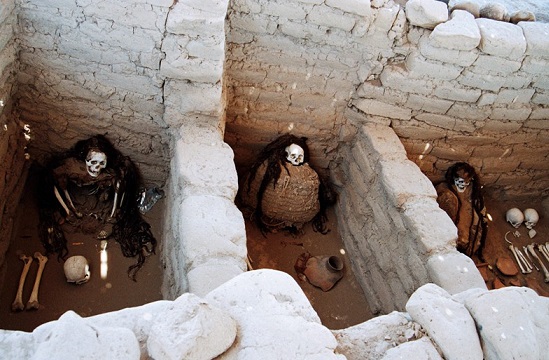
527, 260
33, 302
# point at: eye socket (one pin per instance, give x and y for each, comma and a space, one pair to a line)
102, 163
94, 162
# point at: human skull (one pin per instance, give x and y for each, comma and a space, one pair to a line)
95, 162
77, 269
295, 154
515, 217
461, 184
531, 218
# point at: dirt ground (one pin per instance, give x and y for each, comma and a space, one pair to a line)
496, 246
56, 296
342, 306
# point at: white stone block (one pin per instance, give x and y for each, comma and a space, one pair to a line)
451, 91
368, 340
454, 272
211, 227
447, 322
480, 82
395, 77
535, 66
358, 7
419, 67
434, 228
404, 182
205, 169
512, 96
422, 348
460, 33
461, 58
501, 39
71, 337
537, 38
426, 13
190, 328
325, 16
188, 21
193, 98
489, 64
376, 107
513, 322
275, 318
286, 11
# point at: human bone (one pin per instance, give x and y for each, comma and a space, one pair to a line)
532, 233
543, 250
469, 6
524, 260
531, 218
17, 304
95, 162
530, 259
77, 269
545, 271
33, 300
295, 154
522, 15
461, 184
494, 11
515, 217
517, 259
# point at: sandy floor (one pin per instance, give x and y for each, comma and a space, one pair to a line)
56, 296
342, 306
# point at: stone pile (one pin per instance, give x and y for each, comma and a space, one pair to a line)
264, 314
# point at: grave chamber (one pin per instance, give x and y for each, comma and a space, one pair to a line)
180, 87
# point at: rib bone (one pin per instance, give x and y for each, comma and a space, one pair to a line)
533, 252
519, 262
33, 300
17, 304
529, 257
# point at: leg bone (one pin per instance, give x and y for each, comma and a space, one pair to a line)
524, 261
519, 262
529, 257
17, 304
545, 271
543, 250
33, 300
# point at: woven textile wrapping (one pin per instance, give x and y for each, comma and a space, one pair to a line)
294, 199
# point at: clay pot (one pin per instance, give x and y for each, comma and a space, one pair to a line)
324, 271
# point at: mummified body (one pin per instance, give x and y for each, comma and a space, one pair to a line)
460, 196
94, 188
284, 190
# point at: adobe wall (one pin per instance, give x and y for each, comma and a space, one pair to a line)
467, 90
12, 140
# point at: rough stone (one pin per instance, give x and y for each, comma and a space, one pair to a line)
460, 33
190, 328
275, 319
446, 321
537, 38
417, 349
454, 272
501, 39
513, 323
72, 338
426, 13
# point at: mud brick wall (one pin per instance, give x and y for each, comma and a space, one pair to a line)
93, 67
467, 90
12, 141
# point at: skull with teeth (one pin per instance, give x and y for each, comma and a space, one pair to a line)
531, 218
515, 217
295, 154
77, 270
461, 183
96, 161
